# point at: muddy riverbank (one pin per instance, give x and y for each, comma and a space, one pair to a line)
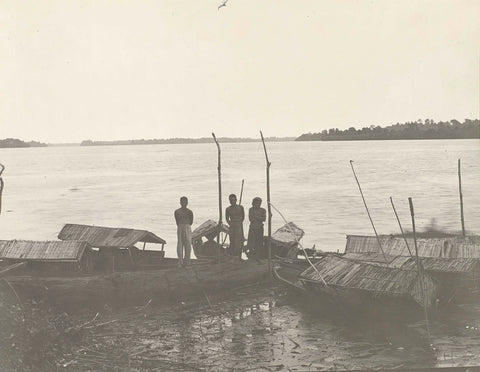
257, 327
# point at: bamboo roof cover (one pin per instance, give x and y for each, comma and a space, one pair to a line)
207, 228
443, 265
288, 234
42, 250
102, 237
378, 258
352, 274
452, 247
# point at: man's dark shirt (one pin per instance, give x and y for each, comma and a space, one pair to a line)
234, 213
184, 216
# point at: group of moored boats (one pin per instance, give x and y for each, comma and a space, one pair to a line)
104, 264
366, 277
363, 278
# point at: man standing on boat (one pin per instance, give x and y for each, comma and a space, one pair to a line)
235, 215
184, 219
257, 216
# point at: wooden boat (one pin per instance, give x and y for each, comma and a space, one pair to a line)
287, 272
95, 265
444, 247
360, 288
165, 283
284, 242
453, 261
85, 249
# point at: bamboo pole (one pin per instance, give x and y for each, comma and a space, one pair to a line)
241, 193
365, 204
461, 197
419, 266
269, 243
220, 216
401, 229
2, 168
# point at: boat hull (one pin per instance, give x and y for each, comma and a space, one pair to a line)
350, 303
128, 287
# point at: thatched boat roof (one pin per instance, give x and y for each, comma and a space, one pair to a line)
448, 247
441, 265
207, 228
102, 237
444, 265
28, 250
288, 234
351, 274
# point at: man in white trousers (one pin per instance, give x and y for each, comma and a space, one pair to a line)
184, 219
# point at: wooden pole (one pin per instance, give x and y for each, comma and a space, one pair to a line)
2, 168
1, 192
241, 193
219, 168
461, 197
269, 243
401, 229
365, 203
419, 265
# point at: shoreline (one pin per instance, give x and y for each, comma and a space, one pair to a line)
292, 139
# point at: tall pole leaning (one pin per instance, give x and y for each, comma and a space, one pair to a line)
461, 197
269, 243
420, 269
401, 228
241, 193
2, 168
368, 212
219, 168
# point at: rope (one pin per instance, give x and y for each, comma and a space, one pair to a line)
298, 242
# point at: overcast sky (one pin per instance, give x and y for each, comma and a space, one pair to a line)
110, 69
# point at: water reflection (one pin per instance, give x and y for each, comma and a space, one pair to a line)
279, 332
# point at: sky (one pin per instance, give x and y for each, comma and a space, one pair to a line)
112, 69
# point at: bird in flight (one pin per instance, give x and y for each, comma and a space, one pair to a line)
223, 4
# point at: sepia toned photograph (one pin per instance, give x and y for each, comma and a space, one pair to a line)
239, 185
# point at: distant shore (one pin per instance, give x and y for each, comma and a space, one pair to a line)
418, 130
16, 143
182, 141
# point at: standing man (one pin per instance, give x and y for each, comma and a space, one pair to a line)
257, 216
184, 219
235, 215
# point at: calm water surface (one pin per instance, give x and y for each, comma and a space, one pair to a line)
261, 328
311, 184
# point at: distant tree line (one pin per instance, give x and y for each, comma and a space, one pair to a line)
14, 142
419, 129
179, 141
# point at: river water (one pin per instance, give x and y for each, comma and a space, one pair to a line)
263, 328
311, 184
